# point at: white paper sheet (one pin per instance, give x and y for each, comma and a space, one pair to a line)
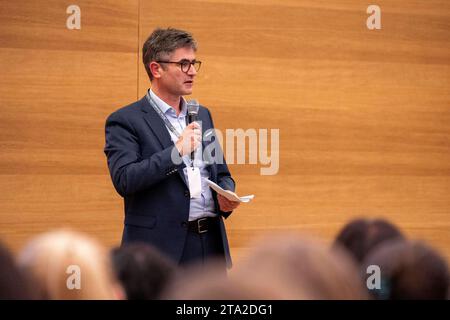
229, 194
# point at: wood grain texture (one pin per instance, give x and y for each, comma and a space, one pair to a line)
364, 116
108, 25
56, 90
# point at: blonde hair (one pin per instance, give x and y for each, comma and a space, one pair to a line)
50, 259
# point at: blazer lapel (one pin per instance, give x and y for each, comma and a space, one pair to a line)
156, 124
159, 129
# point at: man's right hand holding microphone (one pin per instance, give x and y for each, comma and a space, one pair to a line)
190, 139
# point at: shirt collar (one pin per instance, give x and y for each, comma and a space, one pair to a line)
165, 108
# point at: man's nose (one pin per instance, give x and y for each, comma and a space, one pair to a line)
192, 71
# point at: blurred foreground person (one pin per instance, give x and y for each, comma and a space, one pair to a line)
279, 267
307, 264
210, 283
13, 283
360, 236
142, 270
409, 271
69, 265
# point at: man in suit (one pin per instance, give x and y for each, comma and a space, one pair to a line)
149, 145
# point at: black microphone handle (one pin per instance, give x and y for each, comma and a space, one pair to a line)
192, 118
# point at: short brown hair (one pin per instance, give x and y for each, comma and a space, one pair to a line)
162, 42
360, 236
409, 271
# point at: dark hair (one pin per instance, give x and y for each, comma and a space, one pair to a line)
162, 42
142, 270
13, 283
360, 236
409, 271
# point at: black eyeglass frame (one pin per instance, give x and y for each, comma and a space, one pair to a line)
183, 64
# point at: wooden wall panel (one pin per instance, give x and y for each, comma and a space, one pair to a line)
56, 90
363, 115
108, 26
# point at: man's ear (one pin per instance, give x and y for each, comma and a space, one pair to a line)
155, 69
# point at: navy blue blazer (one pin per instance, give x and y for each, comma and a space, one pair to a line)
156, 196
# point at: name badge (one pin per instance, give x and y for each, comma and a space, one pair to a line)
195, 182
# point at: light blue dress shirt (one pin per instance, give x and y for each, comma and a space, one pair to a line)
204, 205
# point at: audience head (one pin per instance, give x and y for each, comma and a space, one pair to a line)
13, 283
409, 271
142, 270
69, 265
309, 265
279, 267
360, 236
211, 282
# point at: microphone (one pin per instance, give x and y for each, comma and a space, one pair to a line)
192, 109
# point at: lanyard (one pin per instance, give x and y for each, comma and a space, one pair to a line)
166, 122
162, 115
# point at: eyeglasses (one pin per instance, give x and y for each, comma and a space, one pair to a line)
185, 65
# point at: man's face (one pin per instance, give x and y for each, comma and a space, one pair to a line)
173, 79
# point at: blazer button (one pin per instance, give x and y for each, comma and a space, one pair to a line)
186, 193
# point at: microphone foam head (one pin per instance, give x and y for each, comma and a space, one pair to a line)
192, 107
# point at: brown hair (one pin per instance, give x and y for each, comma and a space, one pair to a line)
13, 283
409, 270
279, 267
162, 42
360, 236
309, 265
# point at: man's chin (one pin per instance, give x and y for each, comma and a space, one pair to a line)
187, 92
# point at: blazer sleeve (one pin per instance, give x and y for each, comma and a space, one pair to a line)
130, 173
